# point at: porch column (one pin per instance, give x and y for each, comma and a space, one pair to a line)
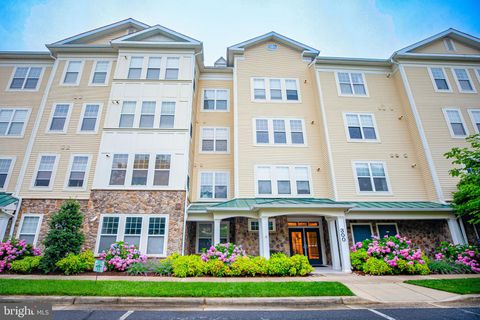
216, 231
264, 237
333, 239
3, 225
343, 244
457, 237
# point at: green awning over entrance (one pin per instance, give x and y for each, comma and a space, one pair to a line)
6, 199
402, 205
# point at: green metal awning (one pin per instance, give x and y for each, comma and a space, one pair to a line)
6, 199
399, 205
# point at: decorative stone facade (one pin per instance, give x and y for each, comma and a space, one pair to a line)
190, 237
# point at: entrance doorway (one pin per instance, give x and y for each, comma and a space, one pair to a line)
305, 240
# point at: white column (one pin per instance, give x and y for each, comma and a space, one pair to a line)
457, 237
3, 225
343, 244
216, 231
264, 237
332, 237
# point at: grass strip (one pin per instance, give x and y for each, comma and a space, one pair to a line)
460, 286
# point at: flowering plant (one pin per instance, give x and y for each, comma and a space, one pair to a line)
465, 255
14, 249
120, 256
225, 252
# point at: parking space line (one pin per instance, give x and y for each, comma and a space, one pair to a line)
381, 314
471, 312
125, 315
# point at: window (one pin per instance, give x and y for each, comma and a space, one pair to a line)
140, 170
45, 169
29, 228
261, 130
259, 89
60, 115
272, 46
205, 234
279, 131
108, 233
127, 114
148, 114
153, 70
76, 178
449, 45
283, 180
100, 72
5, 170
360, 126
264, 180
463, 80
455, 122
475, 117
371, 177
171, 72
119, 169
440, 81
135, 69
89, 118
167, 116
156, 236
296, 131
215, 99
133, 230
275, 89
361, 231
387, 229
253, 225
291, 87
25, 78
12, 122
302, 180
214, 140
213, 185
351, 84
162, 170
72, 72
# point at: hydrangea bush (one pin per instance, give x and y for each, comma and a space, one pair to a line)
14, 249
225, 252
465, 256
120, 256
388, 255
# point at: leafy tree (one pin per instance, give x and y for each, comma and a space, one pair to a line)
64, 235
466, 200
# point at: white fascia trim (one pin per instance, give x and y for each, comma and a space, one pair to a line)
163, 30
400, 216
423, 137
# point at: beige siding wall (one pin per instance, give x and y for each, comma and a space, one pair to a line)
429, 104
439, 47
207, 161
69, 143
282, 63
395, 147
13, 146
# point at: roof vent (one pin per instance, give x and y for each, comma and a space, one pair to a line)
272, 46
220, 63
449, 44
131, 30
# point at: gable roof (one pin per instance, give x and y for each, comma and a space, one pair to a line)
240, 47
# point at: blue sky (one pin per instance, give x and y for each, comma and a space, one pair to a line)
356, 28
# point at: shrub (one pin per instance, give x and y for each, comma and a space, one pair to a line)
465, 256
64, 235
188, 266
279, 265
163, 267
14, 249
216, 268
121, 255
447, 267
300, 266
26, 265
139, 269
377, 267
225, 252
77, 263
358, 259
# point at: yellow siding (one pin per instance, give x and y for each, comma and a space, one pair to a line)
439, 47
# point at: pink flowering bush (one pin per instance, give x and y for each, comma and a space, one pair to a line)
120, 256
450, 258
14, 249
225, 252
388, 255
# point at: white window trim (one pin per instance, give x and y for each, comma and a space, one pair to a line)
214, 139
37, 232
54, 172
82, 114
470, 113
386, 224
85, 178
293, 181
467, 70
146, 59
197, 235
143, 236
274, 228
67, 120
138, 114
339, 91
288, 133
373, 193
215, 110
199, 185
267, 90
449, 125
25, 124
80, 72
10, 170
347, 133
477, 74
107, 76
360, 224
9, 83
446, 44
433, 79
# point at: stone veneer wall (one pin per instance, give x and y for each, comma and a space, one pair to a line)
472, 236
190, 237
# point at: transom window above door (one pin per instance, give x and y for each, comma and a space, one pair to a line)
275, 90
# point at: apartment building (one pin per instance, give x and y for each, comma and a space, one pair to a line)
275, 147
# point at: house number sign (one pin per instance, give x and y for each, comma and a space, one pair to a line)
342, 235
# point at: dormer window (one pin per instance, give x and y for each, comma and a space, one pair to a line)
449, 44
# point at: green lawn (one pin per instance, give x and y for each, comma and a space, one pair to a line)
171, 289
460, 286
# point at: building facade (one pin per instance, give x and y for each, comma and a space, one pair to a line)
276, 147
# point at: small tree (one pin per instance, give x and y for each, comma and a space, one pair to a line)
64, 235
466, 200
